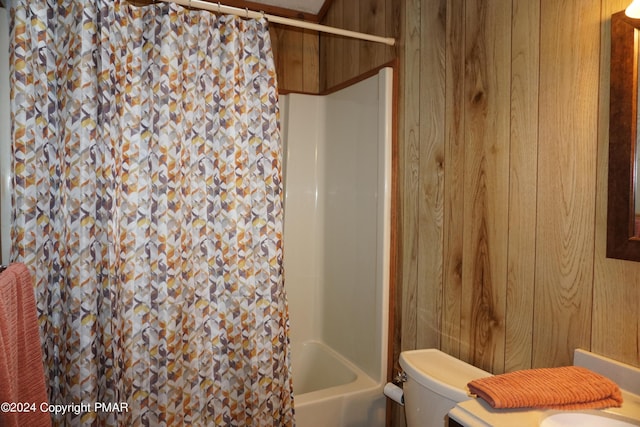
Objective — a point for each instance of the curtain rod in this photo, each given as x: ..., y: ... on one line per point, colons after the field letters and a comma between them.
x: 217, y: 7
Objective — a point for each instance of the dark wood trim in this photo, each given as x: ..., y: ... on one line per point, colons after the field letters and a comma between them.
x: 324, y: 9
x: 395, y: 303
x: 392, y: 64
x: 622, y: 242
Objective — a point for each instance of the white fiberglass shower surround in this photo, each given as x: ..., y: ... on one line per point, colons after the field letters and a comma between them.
x: 336, y: 250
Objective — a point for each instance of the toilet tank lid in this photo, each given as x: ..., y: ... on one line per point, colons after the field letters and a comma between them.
x: 434, y: 369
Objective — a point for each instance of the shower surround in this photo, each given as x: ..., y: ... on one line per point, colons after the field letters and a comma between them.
x: 336, y: 250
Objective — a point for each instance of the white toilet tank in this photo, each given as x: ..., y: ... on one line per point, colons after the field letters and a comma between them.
x: 436, y: 382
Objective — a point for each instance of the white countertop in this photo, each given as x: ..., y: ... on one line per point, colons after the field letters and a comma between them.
x: 478, y: 413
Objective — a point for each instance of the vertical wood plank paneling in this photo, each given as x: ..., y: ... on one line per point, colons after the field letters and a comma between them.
x: 566, y: 184
x: 403, y: 316
x: 616, y: 296
x: 278, y: 51
x: 310, y: 59
x: 393, y: 10
x: 522, y: 216
x: 525, y: 37
x: 296, y: 55
x: 332, y: 49
x: 372, y: 21
x: 344, y: 58
x: 410, y: 167
x: 486, y: 182
x: 431, y: 201
x: 453, y: 178
x: 292, y: 39
x: 351, y: 21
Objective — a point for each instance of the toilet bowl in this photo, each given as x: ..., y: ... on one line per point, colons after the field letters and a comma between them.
x: 435, y: 383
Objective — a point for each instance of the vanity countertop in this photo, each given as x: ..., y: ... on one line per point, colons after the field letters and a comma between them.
x: 477, y: 413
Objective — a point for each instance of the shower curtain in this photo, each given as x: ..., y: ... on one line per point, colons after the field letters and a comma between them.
x: 147, y: 202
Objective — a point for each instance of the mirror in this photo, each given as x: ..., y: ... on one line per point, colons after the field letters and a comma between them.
x: 623, y: 235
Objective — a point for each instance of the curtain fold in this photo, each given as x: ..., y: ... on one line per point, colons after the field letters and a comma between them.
x: 148, y: 205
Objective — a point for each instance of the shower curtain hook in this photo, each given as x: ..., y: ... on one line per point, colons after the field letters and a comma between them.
x: 218, y: 7
x: 246, y: 9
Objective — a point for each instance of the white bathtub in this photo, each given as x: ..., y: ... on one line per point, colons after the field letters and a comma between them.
x: 331, y: 391
x: 336, y: 251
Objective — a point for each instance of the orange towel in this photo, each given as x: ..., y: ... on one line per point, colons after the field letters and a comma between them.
x: 21, y: 367
x: 570, y: 387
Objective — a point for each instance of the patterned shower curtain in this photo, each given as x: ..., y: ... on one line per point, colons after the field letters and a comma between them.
x: 148, y: 205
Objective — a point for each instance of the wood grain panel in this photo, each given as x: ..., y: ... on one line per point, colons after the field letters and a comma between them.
x: 403, y: 316
x: 351, y: 53
x: 332, y: 50
x: 410, y: 169
x: 296, y: 55
x: 372, y: 21
x: 486, y: 183
x: 521, y: 216
x: 393, y: 10
x: 310, y: 60
x: 291, y: 65
x: 525, y: 36
x: 453, y: 178
x: 616, y: 295
x: 566, y: 182
x: 432, y: 165
x: 345, y: 58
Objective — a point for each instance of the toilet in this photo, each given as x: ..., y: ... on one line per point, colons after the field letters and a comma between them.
x: 435, y: 383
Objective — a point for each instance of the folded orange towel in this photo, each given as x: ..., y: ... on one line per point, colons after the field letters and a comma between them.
x: 22, y: 381
x: 569, y: 387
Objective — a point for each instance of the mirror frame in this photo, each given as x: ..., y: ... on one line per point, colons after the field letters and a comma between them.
x: 622, y: 238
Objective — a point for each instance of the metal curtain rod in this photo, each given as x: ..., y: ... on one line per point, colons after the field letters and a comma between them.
x: 217, y: 7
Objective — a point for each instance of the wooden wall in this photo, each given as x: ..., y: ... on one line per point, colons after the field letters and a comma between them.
x: 296, y: 54
x: 503, y: 138
x: 312, y: 63
x: 341, y: 58
x: 504, y: 128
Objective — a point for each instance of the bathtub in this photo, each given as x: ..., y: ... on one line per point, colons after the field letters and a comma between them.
x: 331, y: 391
x: 336, y: 251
